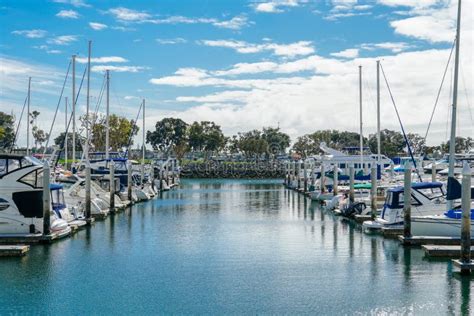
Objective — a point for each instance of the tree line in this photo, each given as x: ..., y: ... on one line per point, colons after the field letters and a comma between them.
x: 173, y: 135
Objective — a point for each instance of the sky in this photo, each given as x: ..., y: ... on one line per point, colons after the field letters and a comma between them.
x: 243, y: 64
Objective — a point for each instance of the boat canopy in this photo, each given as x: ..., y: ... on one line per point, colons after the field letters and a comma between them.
x: 55, y: 186
x: 418, y: 186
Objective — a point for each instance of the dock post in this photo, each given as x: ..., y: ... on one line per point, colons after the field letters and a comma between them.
x: 391, y: 170
x: 129, y: 181
x: 351, y: 184
x: 152, y: 176
x: 112, y: 186
x: 373, y: 191
x: 88, y: 191
x: 287, y: 174
x: 46, y: 200
x: 466, y: 220
x: 313, y: 175
x: 407, y: 200
x: 322, y: 179
x: 298, y: 174
x: 335, y: 180
x: 433, y: 172
x: 305, y: 177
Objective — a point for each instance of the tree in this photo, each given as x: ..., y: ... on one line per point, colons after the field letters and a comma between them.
x: 461, y: 145
x: 7, y: 130
x: 277, y: 141
x: 391, y: 143
x: 417, y: 143
x: 252, y: 144
x: 169, y: 133
x: 121, y: 132
x: 305, y: 146
x: 39, y: 135
x: 206, y: 136
x: 58, y: 141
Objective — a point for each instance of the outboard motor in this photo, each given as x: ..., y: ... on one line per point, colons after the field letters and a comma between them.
x: 353, y: 209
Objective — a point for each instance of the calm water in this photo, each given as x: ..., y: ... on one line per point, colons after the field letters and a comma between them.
x: 229, y: 247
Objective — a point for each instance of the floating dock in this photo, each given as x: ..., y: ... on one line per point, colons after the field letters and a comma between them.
x: 431, y: 240
x: 13, y: 250
x: 444, y: 251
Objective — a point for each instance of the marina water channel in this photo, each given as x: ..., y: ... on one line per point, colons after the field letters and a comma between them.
x: 229, y: 246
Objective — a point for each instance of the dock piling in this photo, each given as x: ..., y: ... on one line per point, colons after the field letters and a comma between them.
x: 322, y: 178
x: 351, y: 184
x: 335, y: 180
x: 373, y: 191
x: 46, y: 200
x: 391, y: 170
x: 433, y: 172
x: 88, y: 191
x: 129, y: 181
x: 465, y: 262
x: 305, y: 177
x: 407, y: 201
x: 112, y: 186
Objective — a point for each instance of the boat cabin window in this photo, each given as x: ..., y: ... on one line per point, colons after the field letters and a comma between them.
x: 33, y: 179
x: 401, y: 200
x: 432, y: 193
x: 57, y: 199
x: 8, y: 165
x: 396, y: 200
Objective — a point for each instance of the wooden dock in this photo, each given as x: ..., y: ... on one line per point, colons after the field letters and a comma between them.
x: 362, y: 218
x: 13, y: 250
x: 443, y: 251
x: 431, y: 240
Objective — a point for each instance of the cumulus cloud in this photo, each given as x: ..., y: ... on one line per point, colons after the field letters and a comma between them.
x: 97, y: 26
x: 74, y: 3
x: 347, y: 53
x: 37, y: 33
x: 300, y: 48
x: 68, y: 14
x: 275, y: 6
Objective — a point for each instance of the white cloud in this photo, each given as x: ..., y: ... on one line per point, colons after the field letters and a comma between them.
x: 103, y: 60
x: 347, y: 53
x: 395, y: 47
x: 236, y: 23
x: 409, y: 3
x: 125, y: 15
x: 75, y: 3
x: 68, y: 14
x: 248, y: 68
x: 300, y: 48
x: 171, y: 41
x: 47, y: 49
x: 276, y: 6
x: 128, y: 15
x: 112, y: 68
x: 97, y: 26
x: 426, y: 27
x: 62, y: 40
x: 31, y: 33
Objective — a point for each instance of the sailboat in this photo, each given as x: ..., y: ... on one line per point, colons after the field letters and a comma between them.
x: 449, y: 222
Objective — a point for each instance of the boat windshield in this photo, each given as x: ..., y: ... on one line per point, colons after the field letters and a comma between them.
x: 10, y: 164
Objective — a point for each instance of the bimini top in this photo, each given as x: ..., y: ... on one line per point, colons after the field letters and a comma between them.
x: 418, y: 185
x: 55, y: 186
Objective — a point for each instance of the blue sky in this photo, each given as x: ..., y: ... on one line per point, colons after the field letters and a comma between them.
x: 243, y: 64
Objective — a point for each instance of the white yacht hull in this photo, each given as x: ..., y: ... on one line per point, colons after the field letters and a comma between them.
x: 437, y: 225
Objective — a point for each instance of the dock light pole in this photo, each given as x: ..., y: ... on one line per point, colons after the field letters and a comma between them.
x: 407, y: 200
x: 373, y: 191
x: 46, y: 200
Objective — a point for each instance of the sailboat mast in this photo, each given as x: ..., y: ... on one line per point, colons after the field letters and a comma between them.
x: 360, y: 112
x: 452, y: 140
x: 86, y: 147
x: 143, y: 134
x: 65, y: 138
x: 28, y: 119
x: 107, y: 135
x: 379, y: 156
x: 73, y: 110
